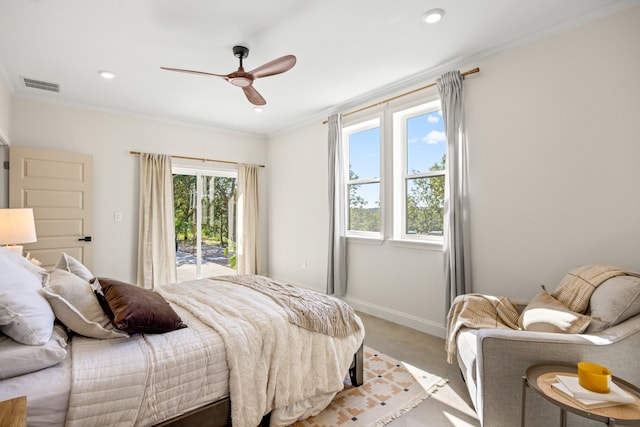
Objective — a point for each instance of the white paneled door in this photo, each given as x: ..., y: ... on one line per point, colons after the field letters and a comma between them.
x: 59, y: 187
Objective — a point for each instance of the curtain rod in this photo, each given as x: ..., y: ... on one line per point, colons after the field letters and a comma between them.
x: 200, y: 159
x: 411, y: 92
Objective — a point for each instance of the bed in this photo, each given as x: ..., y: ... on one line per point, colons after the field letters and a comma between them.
x: 215, y: 351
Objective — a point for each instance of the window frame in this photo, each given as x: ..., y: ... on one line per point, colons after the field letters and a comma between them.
x: 393, y: 173
x: 199, y: 173
x: 363, y: 124
x: 401, y: 176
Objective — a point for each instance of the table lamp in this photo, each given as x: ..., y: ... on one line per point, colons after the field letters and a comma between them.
x: 16, y: 227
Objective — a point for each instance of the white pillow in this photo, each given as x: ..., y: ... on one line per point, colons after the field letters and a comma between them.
x: 72, y: 265
x: 18, y: 359
x: 25, y: 315
x: 23, y: 262
x: 75, y: 305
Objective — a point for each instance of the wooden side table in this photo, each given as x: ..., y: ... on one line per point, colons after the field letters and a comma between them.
x: 539, y: 378
x: 13, y: 412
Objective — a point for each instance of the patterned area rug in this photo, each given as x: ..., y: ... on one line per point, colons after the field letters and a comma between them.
x: 390, y: 389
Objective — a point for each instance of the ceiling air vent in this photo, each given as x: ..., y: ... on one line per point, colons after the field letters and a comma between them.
x: 39, y: 84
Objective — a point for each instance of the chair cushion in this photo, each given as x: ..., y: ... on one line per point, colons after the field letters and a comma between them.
x: 613, y: 302
x: 546, y: 314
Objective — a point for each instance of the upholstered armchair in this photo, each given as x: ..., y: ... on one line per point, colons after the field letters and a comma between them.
x: 493, y: 361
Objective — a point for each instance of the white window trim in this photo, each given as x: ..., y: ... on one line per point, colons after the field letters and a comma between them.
x: 362, y: 125
x: 400, y: 175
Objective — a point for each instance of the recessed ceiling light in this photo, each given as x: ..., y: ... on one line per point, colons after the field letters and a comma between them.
x: 106, y: 74
x: 432, y: 16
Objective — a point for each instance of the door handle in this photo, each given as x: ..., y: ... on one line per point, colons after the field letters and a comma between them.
x: 85, y: 239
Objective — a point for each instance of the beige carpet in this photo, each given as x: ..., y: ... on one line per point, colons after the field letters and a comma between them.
x: 390, y: 389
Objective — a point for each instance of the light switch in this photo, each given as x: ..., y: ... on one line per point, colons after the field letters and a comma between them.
x: 117, y: 217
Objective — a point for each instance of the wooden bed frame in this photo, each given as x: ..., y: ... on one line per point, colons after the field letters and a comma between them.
x: 218, y: 414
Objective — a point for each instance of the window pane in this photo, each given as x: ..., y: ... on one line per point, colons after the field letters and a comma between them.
x: 425, y: 206
x: 364, y: 154
x: 426, y: 143
x: 214, y: 253
x: 364, y: 207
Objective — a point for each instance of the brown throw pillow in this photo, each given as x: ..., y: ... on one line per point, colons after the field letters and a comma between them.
x: 136, y: 310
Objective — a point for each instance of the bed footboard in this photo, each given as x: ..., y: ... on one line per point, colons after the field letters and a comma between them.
x: 356, y: 369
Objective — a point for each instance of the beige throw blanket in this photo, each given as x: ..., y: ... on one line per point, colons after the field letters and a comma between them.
x: 576, y: 287
x: 273, y: 364
x: 478, y: 311
x: 305, y: 308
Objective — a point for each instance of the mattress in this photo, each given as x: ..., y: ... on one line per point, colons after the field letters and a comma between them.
x: 47, y: 393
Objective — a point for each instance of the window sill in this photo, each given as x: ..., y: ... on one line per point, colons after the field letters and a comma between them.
x: 417, y: 244
x: 400, y: 243
x: 361, y: 240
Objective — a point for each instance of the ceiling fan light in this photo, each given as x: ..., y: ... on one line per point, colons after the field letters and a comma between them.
x: 432, y: 16
x: 240, y: 81
x: 258, y: 109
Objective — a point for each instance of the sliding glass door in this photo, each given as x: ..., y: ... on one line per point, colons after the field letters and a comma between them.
x: 205, y: 222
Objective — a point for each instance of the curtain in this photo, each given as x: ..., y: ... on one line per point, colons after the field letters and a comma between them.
x: 337, y: 268
x: 156, y: 241
x: 456, y: 205
x: 248, y: 250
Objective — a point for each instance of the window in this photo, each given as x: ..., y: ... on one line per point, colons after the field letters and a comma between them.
x: 420, y: 147
x: 204, y: 216
x: 363, y: 183
x: 411, y: 176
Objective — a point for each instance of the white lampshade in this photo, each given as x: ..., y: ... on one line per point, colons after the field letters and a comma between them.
x: 17, y: 226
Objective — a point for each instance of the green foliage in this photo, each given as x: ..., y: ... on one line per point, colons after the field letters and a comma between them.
x: 425, y: 203
x: 231, y: 249
x: 361, y: 216
x: 218, y: 204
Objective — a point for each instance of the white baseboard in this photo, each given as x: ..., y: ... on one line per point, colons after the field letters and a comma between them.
x: 404, y: 319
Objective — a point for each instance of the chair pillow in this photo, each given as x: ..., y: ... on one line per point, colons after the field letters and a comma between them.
x: 614, y: 301
x: 546, y: 314
x: 18, y: 359
x: 75, y: 305
x: 25, y: 315
x: 137, y: 310
x: 72, y: 265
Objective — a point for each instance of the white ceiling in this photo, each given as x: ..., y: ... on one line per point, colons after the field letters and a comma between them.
x: 347, y: 50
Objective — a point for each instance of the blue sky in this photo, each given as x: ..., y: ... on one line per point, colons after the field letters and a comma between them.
x: 426, y: 145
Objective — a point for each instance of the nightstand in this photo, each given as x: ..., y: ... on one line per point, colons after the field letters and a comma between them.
x: 13, y: 412
x: 537, y: 378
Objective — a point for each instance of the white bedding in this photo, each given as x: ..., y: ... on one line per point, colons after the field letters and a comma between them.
x: 146, y: 379
x: 47, y: 393
x: 274, y: 364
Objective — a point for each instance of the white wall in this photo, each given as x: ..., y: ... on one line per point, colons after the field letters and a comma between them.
x: 5, y: 120
x: 109, y: 138
x: 5, y: 109
x: 554, y: 146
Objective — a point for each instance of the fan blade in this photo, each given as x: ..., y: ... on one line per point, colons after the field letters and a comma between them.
x: 180, y: 70
x: 277, y: 66
x: 253, y: 96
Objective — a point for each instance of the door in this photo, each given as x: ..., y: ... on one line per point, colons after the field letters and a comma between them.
x: 204, y: 215
x: 59, y: 187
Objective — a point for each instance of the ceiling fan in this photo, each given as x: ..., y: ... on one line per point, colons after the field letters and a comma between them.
x: 245, y: 79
